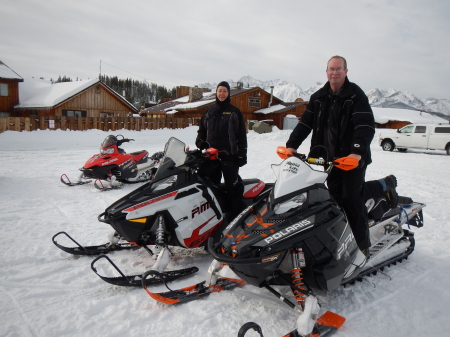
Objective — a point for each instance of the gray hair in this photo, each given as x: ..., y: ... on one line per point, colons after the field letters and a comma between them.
x: 338, y: 57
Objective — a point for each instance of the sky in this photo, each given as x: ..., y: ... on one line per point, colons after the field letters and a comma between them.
x: 400, y: 44
x: 47, y: 292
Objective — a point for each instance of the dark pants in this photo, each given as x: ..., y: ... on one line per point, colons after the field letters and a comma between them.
x: 347, y: 188
x: 234, y: 186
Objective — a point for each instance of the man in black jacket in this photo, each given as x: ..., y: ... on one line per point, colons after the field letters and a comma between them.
x: 342, y: 124
x: 223, y: 127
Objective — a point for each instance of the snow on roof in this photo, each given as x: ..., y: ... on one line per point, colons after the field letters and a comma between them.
x: 192, y: 105
x: 384, y: 115
x: 271, y: 109
x: 7, y: 73
x: 41, y: 93
x: 171, y: 112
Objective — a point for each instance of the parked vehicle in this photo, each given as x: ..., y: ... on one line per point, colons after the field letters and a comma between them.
x: 113, y: 167
x: 417, y: 136
x: 178, y: 207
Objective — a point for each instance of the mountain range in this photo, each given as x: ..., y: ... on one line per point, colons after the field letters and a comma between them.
x: 390, y: 98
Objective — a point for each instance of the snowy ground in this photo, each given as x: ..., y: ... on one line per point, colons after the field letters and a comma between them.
x: 46, y: 292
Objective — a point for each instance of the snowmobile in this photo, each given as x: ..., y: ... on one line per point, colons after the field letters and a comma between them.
x: 299, y: 237
x: 113, y: 166
x: 178, y: 207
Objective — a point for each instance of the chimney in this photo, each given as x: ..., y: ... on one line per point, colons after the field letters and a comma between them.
x: 195, y: 93
x: 271, y: 95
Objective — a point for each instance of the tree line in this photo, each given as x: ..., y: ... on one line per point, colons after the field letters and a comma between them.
x: 136, y: 92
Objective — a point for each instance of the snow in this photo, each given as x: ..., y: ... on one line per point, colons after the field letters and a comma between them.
x: 41, y: 93
x: 384, y: 115
x: 46, y: 292
x: 273, y: 108
x: 191, y: 105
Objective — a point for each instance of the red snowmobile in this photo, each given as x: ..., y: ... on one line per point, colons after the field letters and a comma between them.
x: 113, y: 166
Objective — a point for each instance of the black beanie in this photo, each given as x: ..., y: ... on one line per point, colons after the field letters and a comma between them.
x: 227, y: 100
x: 224, y: 84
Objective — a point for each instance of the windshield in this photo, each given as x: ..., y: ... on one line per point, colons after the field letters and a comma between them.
x: 109, y: 141
x: 174, y: 156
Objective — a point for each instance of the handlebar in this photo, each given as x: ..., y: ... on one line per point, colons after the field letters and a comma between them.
x: 344, y: 163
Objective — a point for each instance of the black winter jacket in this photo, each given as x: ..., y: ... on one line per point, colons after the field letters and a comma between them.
x: 341, y: 122
x: 223, y: 127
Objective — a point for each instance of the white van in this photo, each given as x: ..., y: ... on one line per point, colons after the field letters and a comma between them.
x: 417, y: 136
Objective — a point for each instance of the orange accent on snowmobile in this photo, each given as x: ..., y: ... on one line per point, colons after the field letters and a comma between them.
x: 190, y: 289
x: 283, y: 152
x: 331, y: 319
x: 346, y: 163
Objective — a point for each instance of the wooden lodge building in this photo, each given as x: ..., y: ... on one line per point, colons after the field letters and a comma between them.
x: 89, y: 98
x: 255, y: 103
x: 9, y: 90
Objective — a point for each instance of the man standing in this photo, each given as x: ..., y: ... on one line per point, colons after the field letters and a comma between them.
x: 223, y: 127
x: 342, y: 124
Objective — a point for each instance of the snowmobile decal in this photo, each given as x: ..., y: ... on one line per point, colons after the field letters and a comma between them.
x: 344, y: 245
x: 198, y: 210
x: 197, y: 239
x: 109, y: 161
x: 289, y: 230
x: 254, y: 191
x: 151, y: 201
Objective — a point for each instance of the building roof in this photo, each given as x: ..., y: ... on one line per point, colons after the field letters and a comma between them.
x: 384, y: 115
x: 183, y: 103
x: 45, y: 94
x: 279, y: 108
x: 9, y: 74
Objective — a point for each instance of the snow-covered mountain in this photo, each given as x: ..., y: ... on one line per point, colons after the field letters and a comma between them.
x: 390, y: 98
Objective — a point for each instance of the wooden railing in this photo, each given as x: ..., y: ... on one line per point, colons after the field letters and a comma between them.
x: 85, y: 123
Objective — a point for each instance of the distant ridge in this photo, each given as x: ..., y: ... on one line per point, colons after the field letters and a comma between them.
x: 390, y: 98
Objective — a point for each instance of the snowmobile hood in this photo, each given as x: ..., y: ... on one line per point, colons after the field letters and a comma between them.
x: 292, y: 174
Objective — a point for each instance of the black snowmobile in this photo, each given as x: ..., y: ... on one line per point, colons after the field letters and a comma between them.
x: 299, y: 237
x: 178, y: 207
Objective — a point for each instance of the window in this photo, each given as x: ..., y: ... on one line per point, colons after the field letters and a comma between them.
x: 254, y: 102
x: 106, y: 114
x: 4, y: 89
x: 442, y: 129
x: 420, y: 129
x: 407, y: 129
x: 74, y: 113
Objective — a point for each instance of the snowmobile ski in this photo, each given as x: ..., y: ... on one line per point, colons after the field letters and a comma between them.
x: 91, y: 250
x: 325, y: 325
x: 190, y: 293
x: 66, y: 181
x: 139, y: 280
x: 98, y: 184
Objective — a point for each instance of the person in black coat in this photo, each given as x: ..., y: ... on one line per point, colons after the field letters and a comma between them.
x: 223, y: 127
x: 342, y: 124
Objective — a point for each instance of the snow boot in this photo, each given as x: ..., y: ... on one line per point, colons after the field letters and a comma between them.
x: 390, y: 192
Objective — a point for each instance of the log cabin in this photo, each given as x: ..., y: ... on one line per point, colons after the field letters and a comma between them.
x: 9, y: 90
x: 88, y: 98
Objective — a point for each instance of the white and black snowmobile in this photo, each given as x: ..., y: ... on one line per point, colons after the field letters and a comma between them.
x: 299, y: 237
x: 178, y: 207
x: 113, y: 167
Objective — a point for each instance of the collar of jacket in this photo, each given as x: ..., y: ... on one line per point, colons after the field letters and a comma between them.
x: 346, y: 91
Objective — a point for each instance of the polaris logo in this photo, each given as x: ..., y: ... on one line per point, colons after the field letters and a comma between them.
x: 109, y: 162
x: 287, y: 231
x: 198, y: 210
